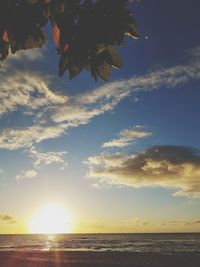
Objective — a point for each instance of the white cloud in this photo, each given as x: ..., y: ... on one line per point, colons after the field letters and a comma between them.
x: 40, y: 159
x: 26, y: 90
x: 23, y: 56
x: 80, y: 109
x: 166, y: 166
x: 107, y: 160
x: 24, y: 137
x: 127, y: 137
x: 28, y: 174
x: 56, y: 113
x: 23, y: 87
x: 47, y: 158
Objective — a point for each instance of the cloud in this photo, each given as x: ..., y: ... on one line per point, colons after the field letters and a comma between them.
x: 23, y: 87
x: 138, y: 222
x: 23, y: 57
x: 82, y: 108
x: 28, y: 174
x: 107, y: 160
x: 47, y: 158
x: 14, y: 138
x: 40, y: 159
x: 178, y: 222
x: 10, y: 219
x: 26, y: 90
x: 175, y: 222
x: 177, y: 167
x: 127, y: 137
x: 55, y: 113
x: 194, y: 222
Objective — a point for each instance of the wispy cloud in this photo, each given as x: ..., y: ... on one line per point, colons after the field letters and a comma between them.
x: 105, y: 98
x: 175, y: 222
x: 179, y: 222
x: 22, y: 87
x: 26, y: 90
x: 197, y: 222
x: 42, y: 159
x: 14, y: 138
x: 127, y: 137
x: 47, y: 158
x: 138, y: 222
x: 177, y: 167
x: 56, y: 113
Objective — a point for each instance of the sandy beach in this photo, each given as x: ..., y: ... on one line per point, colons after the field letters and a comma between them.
x: 98, y: 259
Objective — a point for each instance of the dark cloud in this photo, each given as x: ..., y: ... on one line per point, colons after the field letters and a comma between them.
x: 167, y: 166
x: 194, y: 222
x: 7, y: 218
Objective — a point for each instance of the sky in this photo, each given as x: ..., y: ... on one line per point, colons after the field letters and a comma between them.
x: 119, y: 156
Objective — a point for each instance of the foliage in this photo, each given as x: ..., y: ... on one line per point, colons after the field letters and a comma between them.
x: 86, y: 33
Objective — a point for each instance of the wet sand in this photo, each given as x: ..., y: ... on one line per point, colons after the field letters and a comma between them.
x: 97, y: 259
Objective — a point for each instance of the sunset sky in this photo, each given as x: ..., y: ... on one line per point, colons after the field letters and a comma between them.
x: 121, y: 156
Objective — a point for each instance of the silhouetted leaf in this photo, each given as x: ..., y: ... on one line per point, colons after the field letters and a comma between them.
x: 5, y: 36
x: 116, y: 58
x: 103, y: 71
x: 4, y: 48
x: 63, y: 64
x: 100, y: 48
x: 74, y: 70
x: 56, y: 35
x: 130, y: 27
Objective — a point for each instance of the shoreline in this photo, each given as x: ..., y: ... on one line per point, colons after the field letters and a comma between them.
x: 96, y: 259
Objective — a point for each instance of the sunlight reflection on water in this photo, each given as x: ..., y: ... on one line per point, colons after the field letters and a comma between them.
x: 50, y: 243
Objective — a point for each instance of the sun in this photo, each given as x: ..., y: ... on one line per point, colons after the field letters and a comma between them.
x: 51, y: 219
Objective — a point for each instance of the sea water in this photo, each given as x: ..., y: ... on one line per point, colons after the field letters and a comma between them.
x: 159, y: 243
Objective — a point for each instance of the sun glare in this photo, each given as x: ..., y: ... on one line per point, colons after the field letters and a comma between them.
x: 51, y: 219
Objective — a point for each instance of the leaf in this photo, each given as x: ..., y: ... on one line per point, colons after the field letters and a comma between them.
x: 56, y: 35
x: 5, y: 36
x: 93, y: 70
x: 100, y: 48
x: 74, y: 70
x: 116, y: 58
x: 130, y: 30
x: 4, y: 49
x: 34, y: 40
x: 65, y: 47
x: 27, y: 39
x: 103, y: 71
x: 63, y: 64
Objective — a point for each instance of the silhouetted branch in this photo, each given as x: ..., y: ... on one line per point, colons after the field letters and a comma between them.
x: 86, y: 33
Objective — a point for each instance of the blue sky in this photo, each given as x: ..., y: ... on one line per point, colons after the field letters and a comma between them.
x: 121, y: 155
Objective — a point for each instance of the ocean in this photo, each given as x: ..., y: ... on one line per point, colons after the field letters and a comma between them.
x: 156, y: 243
